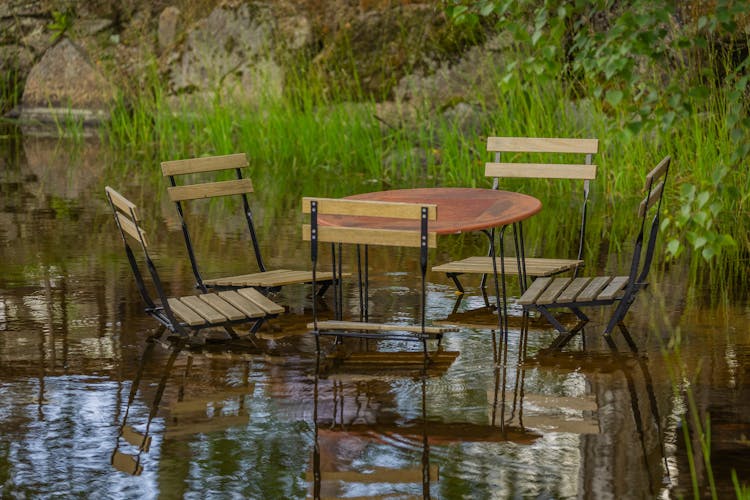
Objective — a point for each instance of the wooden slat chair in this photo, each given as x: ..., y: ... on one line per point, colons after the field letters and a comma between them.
x: 365, y: 231
x: 586, y: 172
x: 264, y: 279
x: 546, y: 294
x: 188, y: 315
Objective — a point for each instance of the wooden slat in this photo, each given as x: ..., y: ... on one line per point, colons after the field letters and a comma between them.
x: 553, y: 290
x: 221, y: 305
x: 185, y: 313
x: 594, y: 287
x: 122, y: 203
x: 379, y: 327
x: 378, y: 475
x: 199, y: 403
x: 649, y: 202
x: 126, y: 463
x: 210, y: 189
x: 367, y: 208
x: 261, y: 300
x: 135, y: 438
x: 540, y: 170
x: 534, y: 290
x: 573, y: 289
x: 535, y: 266
x: 131, y: 229
x: 209, y: 313
x: 658, y: 170
x: 542, y: 145
x: 206, y: 164
x: 613, y: 287
x: 189, y: 427
x: 367, y: 236
x: 248, y: 307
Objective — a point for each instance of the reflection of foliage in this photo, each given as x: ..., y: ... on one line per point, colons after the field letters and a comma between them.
x: 62, y: 21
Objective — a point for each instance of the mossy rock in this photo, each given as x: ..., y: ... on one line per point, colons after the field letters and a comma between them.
x: 372, y: 52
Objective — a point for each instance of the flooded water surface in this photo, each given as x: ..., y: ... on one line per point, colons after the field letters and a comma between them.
x: 89, y: 407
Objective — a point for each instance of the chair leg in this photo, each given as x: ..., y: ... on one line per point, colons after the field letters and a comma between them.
x: 457, y: 282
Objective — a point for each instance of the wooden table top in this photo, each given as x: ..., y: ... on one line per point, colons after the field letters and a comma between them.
x: 458, y: 209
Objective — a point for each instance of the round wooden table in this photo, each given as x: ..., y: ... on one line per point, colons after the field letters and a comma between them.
x: 458, y: 209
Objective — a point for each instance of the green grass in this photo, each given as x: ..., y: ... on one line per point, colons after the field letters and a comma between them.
x: 310, y: 142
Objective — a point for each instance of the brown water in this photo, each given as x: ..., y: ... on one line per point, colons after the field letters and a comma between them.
x: 256, y: 422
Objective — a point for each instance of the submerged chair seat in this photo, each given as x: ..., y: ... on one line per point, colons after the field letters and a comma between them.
x: 188, y: 314
x: 535, y: 266
x: 267, y: 279
x: 211, y: 309
x: 546, y: 294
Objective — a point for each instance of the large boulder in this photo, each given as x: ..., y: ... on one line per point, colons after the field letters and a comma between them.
x: 228, y: 53
x: 64, y: 83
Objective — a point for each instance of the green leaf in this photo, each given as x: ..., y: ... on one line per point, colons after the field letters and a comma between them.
x: 703, y: 198
x: 708, y: 253
x: 614, y: 97
x: 487, y: 9
x: 699, y: 241
x: 673, y: 247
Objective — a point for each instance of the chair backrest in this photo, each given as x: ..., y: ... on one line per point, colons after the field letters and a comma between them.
x: 578, y: 171
x: 651, y: 203
x: 362, y: 222
x: 190, y: 189
x: 126, y: 217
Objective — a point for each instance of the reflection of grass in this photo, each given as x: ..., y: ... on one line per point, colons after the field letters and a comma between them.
x: 309, y: 142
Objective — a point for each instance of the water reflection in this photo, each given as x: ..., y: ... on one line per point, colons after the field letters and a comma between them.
x: 73, y: 337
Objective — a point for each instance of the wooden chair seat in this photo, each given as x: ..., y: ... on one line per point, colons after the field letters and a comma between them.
x: 432, y: 331
x: 268, y: 279
x: 535, y: 266
x: 568, y: 291
x: 223, y: 307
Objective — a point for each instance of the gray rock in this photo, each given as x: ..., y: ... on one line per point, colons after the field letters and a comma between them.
x: 88, y: 27
x: 229, y: 53
x: 15, y: 56
x: 18, y: 8
x: 65, y: 79
x: 295, y: 32
x: 169, y: 23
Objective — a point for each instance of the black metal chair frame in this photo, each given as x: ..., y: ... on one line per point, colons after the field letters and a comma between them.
x: 639, y: 268
x: 248, y: 215
x: 420, y: 334
x: 518, y: 237
x: 160, y: 311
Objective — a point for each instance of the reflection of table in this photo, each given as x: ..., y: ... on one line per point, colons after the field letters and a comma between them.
x: 458, y: 210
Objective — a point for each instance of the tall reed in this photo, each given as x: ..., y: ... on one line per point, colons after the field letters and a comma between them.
x: 310, y: 141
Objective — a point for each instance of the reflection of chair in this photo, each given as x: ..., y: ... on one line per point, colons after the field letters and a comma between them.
x: 141, y: 440
x: 351, y: 454
x: 193, y: 408
x: 546, y: 294
x: 358, y: 222
x: 187, y: 315
x: 535, y: 266
x: 264, y: 279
